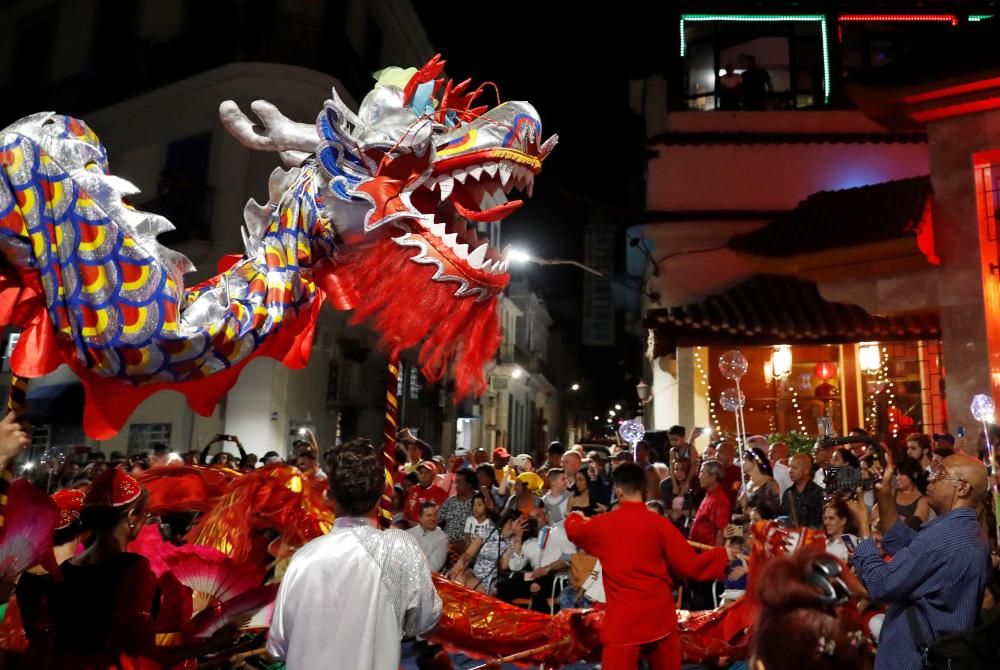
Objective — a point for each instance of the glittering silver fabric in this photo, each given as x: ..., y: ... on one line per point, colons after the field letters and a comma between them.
x: 406, y: 577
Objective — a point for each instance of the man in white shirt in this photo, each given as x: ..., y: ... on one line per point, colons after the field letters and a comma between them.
x: 432, y: 540
x: 349, y: 596
x: 777, y: 453
x: 547, y: 555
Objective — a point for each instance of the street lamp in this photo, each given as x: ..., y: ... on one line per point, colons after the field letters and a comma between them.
x: 644, y: 392
x: 611, y: 412
x: 618, y: 407
x: 521, y: 256
x: 597, y: 418
x: 869, y: 357
x: 781, y: 361
x: 516, y: 373
x: 574, y: 387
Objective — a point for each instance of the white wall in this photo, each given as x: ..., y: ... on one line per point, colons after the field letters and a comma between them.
x: 664, y: 388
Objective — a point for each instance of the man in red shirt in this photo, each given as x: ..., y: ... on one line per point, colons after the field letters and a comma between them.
x: 426, y: 490
x: 636, y: 548
x: 708, y: 527
x: 715, y: 510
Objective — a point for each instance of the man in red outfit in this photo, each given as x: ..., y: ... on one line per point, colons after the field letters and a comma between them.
x: 636, y: 548
x: 426, y: 491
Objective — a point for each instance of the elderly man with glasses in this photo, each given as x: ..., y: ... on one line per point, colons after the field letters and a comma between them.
x: 934, y: 583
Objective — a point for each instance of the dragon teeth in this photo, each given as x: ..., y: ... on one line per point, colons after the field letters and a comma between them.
x: 506, y: 170
x: 447, y: 184
x: 460, y: 175
x: 438, y: 229
x: 461, y: 250
x: 491, y: 169
x: 478, y: 256
x: 486, y: 202
x: 450, y: 239
x: 476, y: 172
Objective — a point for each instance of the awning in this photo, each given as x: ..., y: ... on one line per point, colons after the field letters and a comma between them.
x: 845, y: 218
x: 768, y: 310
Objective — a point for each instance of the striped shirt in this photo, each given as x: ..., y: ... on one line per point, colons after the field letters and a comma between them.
x: 940, y: 570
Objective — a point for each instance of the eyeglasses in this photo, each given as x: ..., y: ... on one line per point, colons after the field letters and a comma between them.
x: 939, y: 475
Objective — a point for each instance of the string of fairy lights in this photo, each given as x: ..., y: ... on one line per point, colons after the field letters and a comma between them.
x: 798, y: 411
x: 882, y: 387
x: 703, y: 375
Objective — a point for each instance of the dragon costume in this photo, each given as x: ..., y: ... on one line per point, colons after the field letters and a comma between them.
x: 376, y: 211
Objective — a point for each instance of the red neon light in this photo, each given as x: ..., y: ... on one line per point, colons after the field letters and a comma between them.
x: 857, y: 18
x: 957, y: 110
x: 971, y: 87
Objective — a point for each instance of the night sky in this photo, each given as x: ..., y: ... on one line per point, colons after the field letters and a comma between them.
x: 574, y: 65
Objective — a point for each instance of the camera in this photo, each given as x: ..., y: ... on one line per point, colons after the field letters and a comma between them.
x: 846, y: 479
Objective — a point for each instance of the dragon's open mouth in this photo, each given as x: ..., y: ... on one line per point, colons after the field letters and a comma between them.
x: 460, y: 198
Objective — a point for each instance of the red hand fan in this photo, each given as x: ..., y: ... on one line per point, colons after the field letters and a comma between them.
x: 214, y: 577
x: 26, y: 538
x: 244, y: 607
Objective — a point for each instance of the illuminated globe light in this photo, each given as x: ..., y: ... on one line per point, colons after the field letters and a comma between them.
x: 731, y: 399
x: 825, y: 370
x: 983, y: 408
x: 631, y: 431
x: 733, y: 364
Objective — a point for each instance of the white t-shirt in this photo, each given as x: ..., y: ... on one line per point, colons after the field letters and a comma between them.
x: 783, y: 477
x: 350, y: 596
x: 842, y: 546
x: 476, y: 529
x: 551, y: 545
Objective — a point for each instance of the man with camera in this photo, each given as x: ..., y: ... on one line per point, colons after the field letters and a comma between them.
x: 935, y: 580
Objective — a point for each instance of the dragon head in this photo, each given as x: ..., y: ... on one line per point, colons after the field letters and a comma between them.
x: 432, y: 169
x: 411, y: 181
